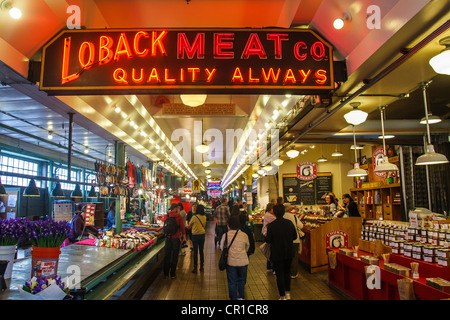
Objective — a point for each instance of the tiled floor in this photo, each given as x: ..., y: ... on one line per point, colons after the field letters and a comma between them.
x: 211, y: 284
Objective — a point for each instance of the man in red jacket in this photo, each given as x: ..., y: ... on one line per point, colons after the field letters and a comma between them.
x: 173, y: 242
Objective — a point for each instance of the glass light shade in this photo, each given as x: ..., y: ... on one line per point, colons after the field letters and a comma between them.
x: 15, y: 13
x: 203, y: 148
x: 322, y: 159
x: 338, y: 24
x: 208, y: 171
x: 58, y: 191
x: 206, y: 163
x: 255, y: 175
x: 193, y: 100
x: 336, y: 154
x: 267, y: 168
x: 353, y: 147
x: 278, y: 162
x: 431, y: 119
x: 261, y: 171
x: 356, y: 117
x: 356, y: 171
x: 441, y: 62
x: 292, y: 153
x: 31, y: 190
x: 385, y: 166
x: 387, y: 136
x: 430, y: 157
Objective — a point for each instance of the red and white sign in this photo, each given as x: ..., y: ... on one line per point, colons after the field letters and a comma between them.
x: 307, y: 170
x: 90, y: 214
x: 377, y: 157
x: 336, y: 239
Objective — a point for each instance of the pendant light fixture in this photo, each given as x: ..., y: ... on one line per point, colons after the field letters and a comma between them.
x: 337, y: 153
x: 92, y: 193
x: 322, y: 158
x: 57, y: 191
x: 430, y: 157
x: 384, y: 165
x: 31, y: 190
x: 292, y: 153
x: 267, y: 167
x: 193, y: 100
x: 356, y: 116
x: 441, y: 62
x: 432, y: 119
x: 202, y: 148
x: 14, y: 12
x: 356, y: 171
x: 278, y: 162
x: 76, y: 193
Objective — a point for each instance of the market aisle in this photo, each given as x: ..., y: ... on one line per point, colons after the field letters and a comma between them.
x: 211, y: 284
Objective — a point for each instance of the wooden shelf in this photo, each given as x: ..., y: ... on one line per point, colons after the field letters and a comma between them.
x: 377, y: 202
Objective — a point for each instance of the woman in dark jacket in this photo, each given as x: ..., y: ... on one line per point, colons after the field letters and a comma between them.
x: 350, y: 206
x: 280, y: 234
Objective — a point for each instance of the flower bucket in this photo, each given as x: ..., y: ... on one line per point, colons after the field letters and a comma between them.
x: 44, y: 262
x: 7, y: 253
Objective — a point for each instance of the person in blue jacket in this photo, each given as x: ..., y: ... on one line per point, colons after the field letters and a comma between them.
x: 111, y: 218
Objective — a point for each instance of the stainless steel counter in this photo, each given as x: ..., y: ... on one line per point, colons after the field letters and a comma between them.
x: 89, y: 259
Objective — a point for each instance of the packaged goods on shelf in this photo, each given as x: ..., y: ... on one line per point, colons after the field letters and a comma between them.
x: 398, y: 269
x: 439, y: 283
x: 370, y: 260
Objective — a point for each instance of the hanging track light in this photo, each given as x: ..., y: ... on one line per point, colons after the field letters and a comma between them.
x: 356, y: 171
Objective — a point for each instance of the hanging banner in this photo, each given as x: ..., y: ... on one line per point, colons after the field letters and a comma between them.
x: 152, y: 61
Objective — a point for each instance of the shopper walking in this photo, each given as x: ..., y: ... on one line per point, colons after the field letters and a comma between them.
x: 268, y: 218
x: 222, y: 213
x: 183, y: 215
x: 291, y: 215
x: 197, y: 225
x: 189, y: 215
x: 175, y: 232
x: 237, y: 258
x: 280, y: 235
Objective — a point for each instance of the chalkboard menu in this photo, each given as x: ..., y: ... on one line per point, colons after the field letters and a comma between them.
x: 312, y: 192
x: 323, y: 186
x: 291, y: 188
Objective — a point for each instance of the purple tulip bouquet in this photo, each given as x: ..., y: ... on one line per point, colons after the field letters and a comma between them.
x: 48, y: 233
x: 11, y: 230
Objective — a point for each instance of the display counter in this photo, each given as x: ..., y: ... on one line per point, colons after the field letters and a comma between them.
x: 103, y: 271
x: 339, y: 232
x: 349, y: 277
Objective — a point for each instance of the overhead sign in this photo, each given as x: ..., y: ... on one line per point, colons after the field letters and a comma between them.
x: 307, y: 170
x: 187, y: 61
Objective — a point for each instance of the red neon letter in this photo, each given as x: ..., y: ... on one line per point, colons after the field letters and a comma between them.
x: 105, y: 53
x: 141, y: 76
x: 198, y: 45
x: 157, y: 42
x: 270, y: 74
x: 82, y: 52
x: 210, y: 74
x: 318, y: 46
x: 166, y: 76
x: 181, y: 75
x: 219, y: 46
x: 297, y: 47
x: 194, y: 71
x: 253, y: 46
x: 277, y: 38
x: 250, y: 77
x: 321, y: 76
x: 289, y: 76
x: 153, y: 76
x: 137, y: 37
x: 304, y: 75
x: 237, y: 76
x: 65, y: 77
x: 121, y: 78
x: 123, y: 47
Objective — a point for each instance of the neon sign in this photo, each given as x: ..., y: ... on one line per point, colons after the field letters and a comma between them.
x: 187, y: 61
